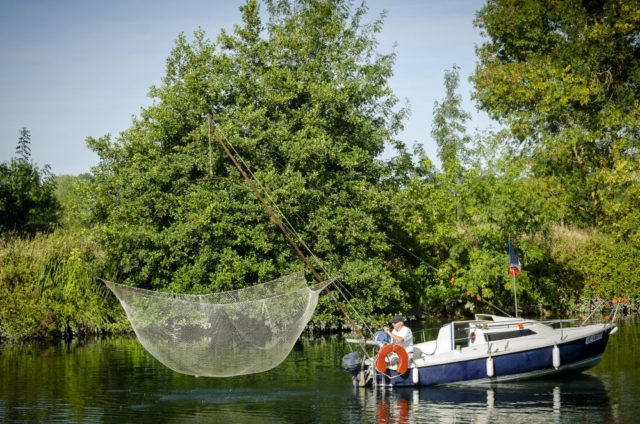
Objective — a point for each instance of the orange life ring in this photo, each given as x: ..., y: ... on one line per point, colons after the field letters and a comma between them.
x: 473, y: 337
x: 403, y: 358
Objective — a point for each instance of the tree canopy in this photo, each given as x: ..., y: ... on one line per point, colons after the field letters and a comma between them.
x: 564, y: 77
x: 27, y: 201
x: 303, y: 99
x: 305, y: 103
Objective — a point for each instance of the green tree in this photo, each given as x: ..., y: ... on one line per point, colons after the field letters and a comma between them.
x: 505, y: 200
x: 449, y: 129
x: 458, y: 220
x: 70, y: 192
x: 305, y: 104
x: 27, y: 201
x: 427, y: 210
x: 23, y: 150
x: 563, y: 77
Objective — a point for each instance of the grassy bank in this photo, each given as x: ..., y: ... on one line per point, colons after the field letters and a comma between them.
x: 48, y: 288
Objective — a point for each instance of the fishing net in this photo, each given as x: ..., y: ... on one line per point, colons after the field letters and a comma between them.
x: 223, y: 334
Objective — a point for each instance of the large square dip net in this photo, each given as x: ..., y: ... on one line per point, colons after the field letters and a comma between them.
x: 225, y: 334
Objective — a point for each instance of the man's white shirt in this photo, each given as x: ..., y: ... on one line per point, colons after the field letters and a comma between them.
x: 406, y: 334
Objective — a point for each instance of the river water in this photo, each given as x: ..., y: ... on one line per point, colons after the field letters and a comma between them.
x: 114, y: 380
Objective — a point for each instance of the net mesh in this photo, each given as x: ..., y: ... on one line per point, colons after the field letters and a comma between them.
x: 223, y: 334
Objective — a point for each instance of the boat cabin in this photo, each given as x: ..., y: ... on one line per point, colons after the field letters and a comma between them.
x: 455, y: 336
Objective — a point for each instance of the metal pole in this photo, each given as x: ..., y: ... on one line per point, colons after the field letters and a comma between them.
x: 515, y: 294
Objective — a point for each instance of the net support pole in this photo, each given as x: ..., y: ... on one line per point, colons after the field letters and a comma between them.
x: 280, y: 225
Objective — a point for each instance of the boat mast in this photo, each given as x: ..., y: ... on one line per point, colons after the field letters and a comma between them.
x: 279, y: 222
x: 515, y: 294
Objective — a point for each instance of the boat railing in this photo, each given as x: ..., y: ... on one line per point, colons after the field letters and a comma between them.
x: 561, y: 322
x: 430, y: 334
x: 421, y: 336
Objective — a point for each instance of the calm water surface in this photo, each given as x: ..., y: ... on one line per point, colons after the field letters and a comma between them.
x: 116, y: 381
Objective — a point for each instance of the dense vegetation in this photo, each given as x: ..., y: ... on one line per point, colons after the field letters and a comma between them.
x: 304, y: 101
x: 27, y: 201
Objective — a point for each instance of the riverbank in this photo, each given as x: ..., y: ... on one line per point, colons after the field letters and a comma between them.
x: 50, y: 287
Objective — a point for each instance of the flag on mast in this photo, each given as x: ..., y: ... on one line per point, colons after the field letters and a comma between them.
x: 514, y: 262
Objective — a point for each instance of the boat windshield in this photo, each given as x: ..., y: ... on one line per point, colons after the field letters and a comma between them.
x: 504, y: 335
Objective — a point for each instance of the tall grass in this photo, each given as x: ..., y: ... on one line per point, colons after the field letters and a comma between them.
x: 48, y: 287
x: 597, y: 266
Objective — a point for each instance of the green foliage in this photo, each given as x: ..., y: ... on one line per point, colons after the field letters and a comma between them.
x: 22, y: 149
x: 458, y: 220
x: 600, y: 264
x: 448, y: 128
x: 304, y: 102
x: 562, y: 76
x: 70, y: 192
x: 48, y: 286
x: 27, y: 201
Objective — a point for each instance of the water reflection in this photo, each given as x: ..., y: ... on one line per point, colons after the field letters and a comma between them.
x: 116, y: 380
x: 579, y: 398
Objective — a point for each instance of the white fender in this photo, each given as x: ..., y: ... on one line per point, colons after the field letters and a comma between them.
x: 556, y: 356
x: 490, y: 370
x: 415, y: 374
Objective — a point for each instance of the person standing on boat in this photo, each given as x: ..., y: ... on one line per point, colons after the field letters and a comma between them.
x: 401, y: 334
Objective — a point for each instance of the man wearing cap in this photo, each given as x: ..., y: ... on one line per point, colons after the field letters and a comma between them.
x: 400, y: 334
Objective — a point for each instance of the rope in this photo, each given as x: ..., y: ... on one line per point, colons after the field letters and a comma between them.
x: 338, y: 283
x: 279, y: 223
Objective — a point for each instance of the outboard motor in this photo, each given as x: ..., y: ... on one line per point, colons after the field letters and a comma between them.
x: 352, y: 363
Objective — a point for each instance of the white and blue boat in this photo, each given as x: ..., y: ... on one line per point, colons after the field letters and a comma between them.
x: 488, y: 349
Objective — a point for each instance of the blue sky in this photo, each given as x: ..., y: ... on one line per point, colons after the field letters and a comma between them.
x: 71, y: 69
